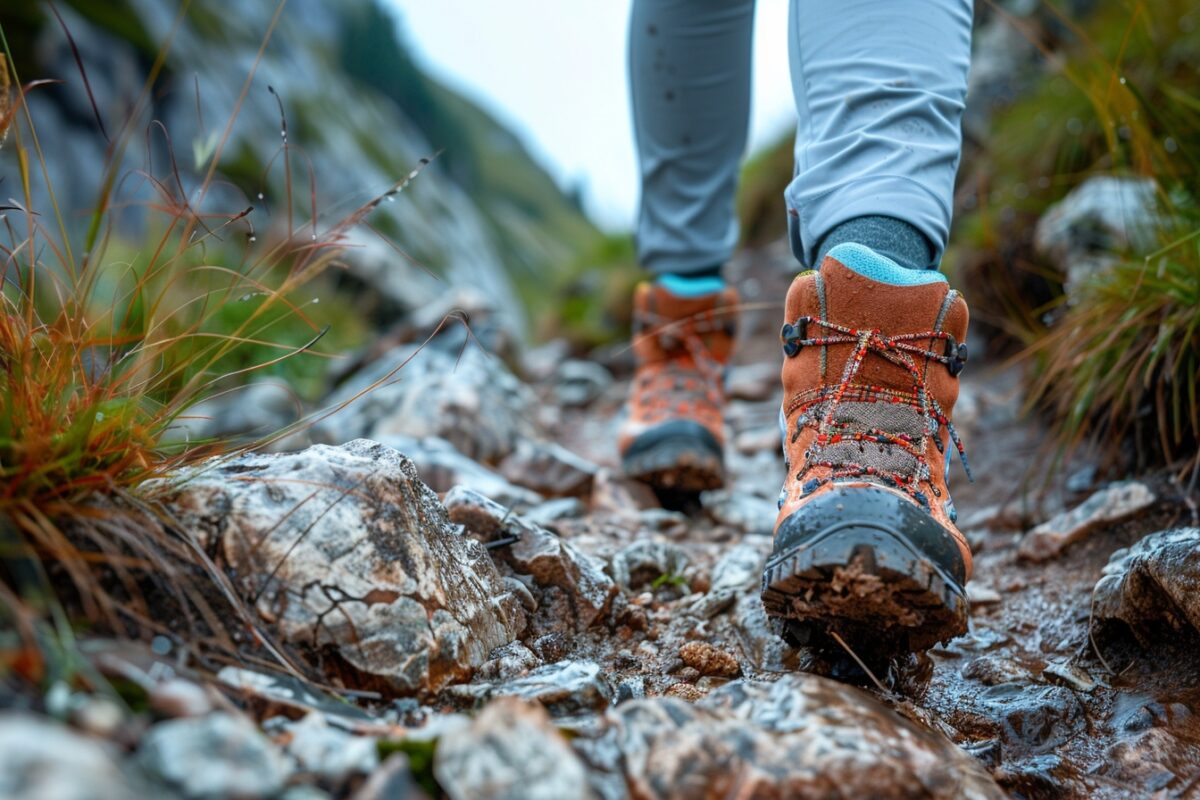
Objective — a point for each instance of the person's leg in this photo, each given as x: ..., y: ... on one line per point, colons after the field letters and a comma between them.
x: 689, y: 70
x: 866, y: 547
x: 689, y: 67
x: 880, y: 87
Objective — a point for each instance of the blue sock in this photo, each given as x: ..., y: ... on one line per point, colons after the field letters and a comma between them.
x: 692, y: 284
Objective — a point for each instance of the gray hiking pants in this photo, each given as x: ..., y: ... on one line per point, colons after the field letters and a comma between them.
x: 879, y: 87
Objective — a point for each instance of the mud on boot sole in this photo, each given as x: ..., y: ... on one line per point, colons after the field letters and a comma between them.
x: 864, y: 579
x: 680, y: 456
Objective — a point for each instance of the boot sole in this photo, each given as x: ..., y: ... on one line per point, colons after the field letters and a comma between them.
x: 864, y: 580
x: 679, y: 456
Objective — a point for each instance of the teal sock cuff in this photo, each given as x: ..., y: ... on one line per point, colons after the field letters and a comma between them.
x: 869, y: 264
x: 690, y: 285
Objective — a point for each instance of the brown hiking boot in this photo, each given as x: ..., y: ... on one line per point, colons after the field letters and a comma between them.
x: 865, y: 541
x: 673, y: 437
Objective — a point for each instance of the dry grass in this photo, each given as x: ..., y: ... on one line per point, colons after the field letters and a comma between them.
x: 101, y: 352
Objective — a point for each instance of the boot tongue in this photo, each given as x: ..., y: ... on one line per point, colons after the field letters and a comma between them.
x: 865, y: 291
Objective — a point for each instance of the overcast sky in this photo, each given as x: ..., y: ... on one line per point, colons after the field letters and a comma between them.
x: 554, y: 72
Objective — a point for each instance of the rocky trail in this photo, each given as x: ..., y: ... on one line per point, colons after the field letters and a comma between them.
x: 498, y: 614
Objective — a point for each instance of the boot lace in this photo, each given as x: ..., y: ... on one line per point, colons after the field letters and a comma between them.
x: 847, y: 425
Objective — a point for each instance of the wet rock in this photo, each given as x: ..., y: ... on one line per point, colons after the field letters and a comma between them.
x: 43, y: 760
x: 802, y: 736
x: 272, y: 694
x: 573, y: 590
x: 708, y: 659
x: 546, y: 514
x: 344, y: 548
x: 640, y: 564
x: 1102, y: 217
x: 738, y: 572
x: 180, y: 698
x: 746, y: 512
x: 757, y: 381
x: 508, y: 662
x: 510, y: 752
x: 577, y: 382
x: 1112, y: 504
x: 548, y: 469
x: 992, y: 669
x: 442, y: 467
x: 1153, y: 584
x: 618, y: 495
x: 466, y: 397
x: 759, y: 639
x: 216, y: 756
x: 328, y: 753
x: 1070, y: 674
x: 1034, y: 718
x: 564, y: 688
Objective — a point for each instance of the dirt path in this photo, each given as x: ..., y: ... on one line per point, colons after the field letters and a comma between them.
x: 1046, y: 710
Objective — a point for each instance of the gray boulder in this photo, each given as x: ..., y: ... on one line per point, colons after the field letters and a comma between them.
x: 799, y: 737
x: 1156, y: 581
x: 345, y: 548
x: 463, y: 395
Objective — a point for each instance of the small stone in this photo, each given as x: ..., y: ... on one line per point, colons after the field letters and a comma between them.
x: 330, y: 754
x: 685, y: 691
x: 752, y: 382
x: 738, y: 572
x: 216, y: 756
x: 992, y: 670
x: 1070, y: 674
x: 549, y: 469
x: 746, y: 512
x: 1152, y: 586
x: 572, y: 589
x: 708, y: 659
x: 577, y: 382
x: 508, y: 662
x: 98, y: 716
x: 552, y: 511
x: 511, y: 751
x: 180, y: 698
x: 758, y: 440
x: 564, y: 688
x: 982, y: 595
x: 618, y: 495
x: 1114, y: 503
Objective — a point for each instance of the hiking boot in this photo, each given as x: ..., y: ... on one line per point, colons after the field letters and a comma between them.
x: 865, y: 542
x: 672, y: 437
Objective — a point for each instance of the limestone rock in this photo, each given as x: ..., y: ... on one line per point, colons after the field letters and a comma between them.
x: 565, y: 688
x: 1112, y: 504
x: 43, y: 760
x: 1157, y: 580
x: 442, y: 467
x: 745, y: 512
x: 345, y: 548
x: 467, y: 397
x: 328, y: 753
x: 510, y: 752
x: 800, y: 737
x: 549, y: 469
x: 577, y: 382
x: 573, y: 590
x: 216, y: 756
